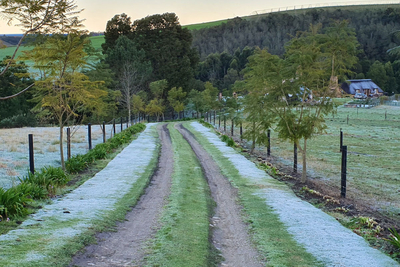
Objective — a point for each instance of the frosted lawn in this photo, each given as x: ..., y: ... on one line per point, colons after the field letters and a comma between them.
x: 14, y: 149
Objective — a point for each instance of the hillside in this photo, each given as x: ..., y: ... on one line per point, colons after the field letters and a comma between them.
x: 374, y: 26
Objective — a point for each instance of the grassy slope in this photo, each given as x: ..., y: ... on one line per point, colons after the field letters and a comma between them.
x: 183, y: 237
x: 60, y: 256
x: 268, y: 232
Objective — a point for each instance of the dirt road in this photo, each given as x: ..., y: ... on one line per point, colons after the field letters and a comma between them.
x: 126, y: 246
x: 230, y: 234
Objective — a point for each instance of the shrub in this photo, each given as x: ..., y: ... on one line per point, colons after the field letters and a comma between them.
x: 13, y: 202
x: 394, y: 238
x: 33, y: 191
x: 20, y: 120
x: 49, y: 178
x: 76, y: 164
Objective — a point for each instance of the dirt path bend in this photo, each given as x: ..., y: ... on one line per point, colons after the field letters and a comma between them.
x: 230, y: 233
x: 126, y: 246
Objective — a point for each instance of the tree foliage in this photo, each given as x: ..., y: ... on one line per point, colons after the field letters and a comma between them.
x: 64, y: 92
x: 50, y: 16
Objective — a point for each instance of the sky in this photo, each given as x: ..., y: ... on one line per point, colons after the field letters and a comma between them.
x: 97, y: 12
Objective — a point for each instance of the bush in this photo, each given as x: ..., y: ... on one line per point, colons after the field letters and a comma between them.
x: 33, y: 191
x: 76, y: 164
x: 17, y: 121
x: 49, y: 178
x: 13, y: 202
x: 394, y: 238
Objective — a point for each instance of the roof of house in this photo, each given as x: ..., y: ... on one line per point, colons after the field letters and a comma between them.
x: 351, y: 86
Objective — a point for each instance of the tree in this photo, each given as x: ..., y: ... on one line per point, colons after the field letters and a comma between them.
x: 168, y: 46
x: 138, y: 104
x: 377, y: 73
x: 131, y: 69
x: 175, y: 98
x: 48, y: 16
x: 156, y: 105
x: 119, y: 25
x: 15, y: 77
x: 64, y: 92
x: 341, y: 45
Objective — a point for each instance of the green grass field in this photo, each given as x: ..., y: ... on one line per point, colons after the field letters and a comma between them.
x: 373, y: 142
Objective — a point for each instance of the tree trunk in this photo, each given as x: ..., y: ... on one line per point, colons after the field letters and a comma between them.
x: 253, y: 144
x: 304, y: 154
x: 61, y: 145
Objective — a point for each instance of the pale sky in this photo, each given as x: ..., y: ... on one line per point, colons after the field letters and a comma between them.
x: 98, y: 12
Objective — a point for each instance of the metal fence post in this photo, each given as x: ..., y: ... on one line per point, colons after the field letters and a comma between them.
x: 31, y: 154
x: 114, y: 125
x: 90, y: 135
x: 224, y: 123
x: 295, y: 158
x: 344, y: 171
x: 214, y: 117
x: 269, y: 143
x: 341, y: 139
x: 232, y: 130
x: 68, y: 143
x: 241, y: 132
x: 121, y: 124
x: 104, y: 131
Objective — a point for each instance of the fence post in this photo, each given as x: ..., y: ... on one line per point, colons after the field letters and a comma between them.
x: 347, y: 119
x: 114, y: 125
x: 295, y: 158
x: 344, y: 167
x: 90, y: 135
x: 341, y: 139
x: 385, y: 114
x: 121, y: 124
x: 104, y: 131
x: 269, y: 143
x: 68, y: 143
x: 31, y: 155
x: 219, y: 121
x: 232, y: 130
x: 127, y: 122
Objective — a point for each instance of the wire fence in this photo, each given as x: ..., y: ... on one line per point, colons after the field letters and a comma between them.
x: 14, y: 146
x: 373, y: 170
x: 322, y: 5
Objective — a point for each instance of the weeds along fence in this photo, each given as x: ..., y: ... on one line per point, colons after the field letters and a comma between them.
x: 373, y: 141
x: 15, y: 152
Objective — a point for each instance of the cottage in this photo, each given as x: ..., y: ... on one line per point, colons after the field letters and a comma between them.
x: 362, y: 86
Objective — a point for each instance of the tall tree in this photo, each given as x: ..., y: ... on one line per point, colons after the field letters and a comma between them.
x: 168, y: 47
x: 175, y: 98
x: 47, y: 16
x: 341, y: 45
x: 64, y: 92
x: 131, y: 68
x: 117, y: 26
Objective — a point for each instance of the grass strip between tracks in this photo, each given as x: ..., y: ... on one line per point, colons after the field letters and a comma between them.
x: 20, y: 252
x: 267, y: 231
x: 183, y: 239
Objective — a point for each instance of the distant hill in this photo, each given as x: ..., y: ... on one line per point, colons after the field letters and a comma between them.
x: 374, y: 25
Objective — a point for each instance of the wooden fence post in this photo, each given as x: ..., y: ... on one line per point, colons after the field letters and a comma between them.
x: 347, y: 119
x: 241, y: 132
x: 121, y: 124
x: 114, y: 125
x: 344, y: 172
x: 68, y: 143
x: 232, y: 130
x: 341, y: 139
x: 214, y: 117
x: 104, y: 131
x: 31, y: 154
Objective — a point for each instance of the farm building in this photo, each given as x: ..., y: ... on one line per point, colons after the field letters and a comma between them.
x: 362, y: 86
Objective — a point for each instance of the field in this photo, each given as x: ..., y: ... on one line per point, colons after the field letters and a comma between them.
x: 14, y: 149
x: 373, y: 172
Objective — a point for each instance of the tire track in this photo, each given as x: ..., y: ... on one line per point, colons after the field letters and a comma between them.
x: 126, y: 246
x: 230, y: 234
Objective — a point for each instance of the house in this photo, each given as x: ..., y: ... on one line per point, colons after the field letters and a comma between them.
x: 362, y: 86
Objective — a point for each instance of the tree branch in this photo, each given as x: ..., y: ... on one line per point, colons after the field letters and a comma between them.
x: 17, y: 94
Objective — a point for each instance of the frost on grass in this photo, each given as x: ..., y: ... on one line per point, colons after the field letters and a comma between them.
x: 67, y: 217
x: 14, y: 149
x: 320, y: 234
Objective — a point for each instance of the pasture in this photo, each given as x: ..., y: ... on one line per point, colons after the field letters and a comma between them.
x: 373, y: 144
x: 14, y: 148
